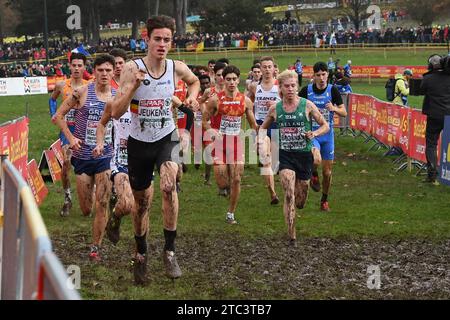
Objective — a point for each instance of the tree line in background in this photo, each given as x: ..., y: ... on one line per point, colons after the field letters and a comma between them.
x: 26, y: 17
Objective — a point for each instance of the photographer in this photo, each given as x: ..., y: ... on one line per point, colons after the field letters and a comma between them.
x: 436, y: 105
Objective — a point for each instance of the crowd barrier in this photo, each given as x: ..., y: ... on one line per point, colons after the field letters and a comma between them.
x: 28, y: 267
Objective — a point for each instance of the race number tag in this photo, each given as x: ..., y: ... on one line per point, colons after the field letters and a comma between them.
x: 230, y: 125
x: 91, y: 132
x: 123, y: 152
x: 326, y: 115
x: 292, y: 139
x: 70, y: 117
x: 155, y: 113
x: 108, y: 132
x: 198, y: 116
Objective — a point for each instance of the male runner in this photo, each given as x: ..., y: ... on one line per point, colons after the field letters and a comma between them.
x: 329, y: 101
x: 90, y: 101
x: 149, y: 85
x: 65, y: 89
x: 264, y: 94
x: 293, y: 116
x: 228, y: 108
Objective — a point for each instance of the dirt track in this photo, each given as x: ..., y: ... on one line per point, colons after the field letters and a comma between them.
x: 233, y: 267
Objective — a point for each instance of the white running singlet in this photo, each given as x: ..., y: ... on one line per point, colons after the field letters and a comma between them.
x: 262, y: 98
x: 151, y: 105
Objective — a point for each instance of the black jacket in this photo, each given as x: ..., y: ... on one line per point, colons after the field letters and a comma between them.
x: 436, y: 88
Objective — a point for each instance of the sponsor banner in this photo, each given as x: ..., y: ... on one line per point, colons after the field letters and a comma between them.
x: 380, y: 121
x: 53, y: 165
x: 376, y: 71
x: 51, y: 82
x: 23, y: 86
x: 14, y: 143
x: 361, y: 112
x: 444, y: 171
x: 56, y: 147
x: 418, y: 125
x: 36, y: 182
x: 404, y: 138
x: 393, y: 124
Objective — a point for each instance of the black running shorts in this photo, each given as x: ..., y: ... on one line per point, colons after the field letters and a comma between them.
x: 300, y: 162
x: 142, y: 157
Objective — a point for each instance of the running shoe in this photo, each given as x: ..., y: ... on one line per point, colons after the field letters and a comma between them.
x: 324, y: 206
x: 140, y: 268
x: 315, y: 183
x: 113, y: 228
x: 292, y: 243
x: 275, y: 200
x: 94, y: 254
x: 231, y: 220
x: 65, y: 210
x: 173, y: 271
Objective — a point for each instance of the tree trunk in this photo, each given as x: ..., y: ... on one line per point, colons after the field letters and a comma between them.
x: 178, y: 15
x: 135, y: 27
x: 149, y: 11
x: 157, y: 8
x: 95, y: 23
x: 184, y: 15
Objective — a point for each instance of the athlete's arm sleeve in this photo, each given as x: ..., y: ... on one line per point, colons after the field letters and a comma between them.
x: 189, y: 116
x: 52, y: 106
x: 336, y: 96
x: 304, y: 93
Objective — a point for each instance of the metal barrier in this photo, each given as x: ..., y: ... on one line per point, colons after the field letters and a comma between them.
x: 28, y: 268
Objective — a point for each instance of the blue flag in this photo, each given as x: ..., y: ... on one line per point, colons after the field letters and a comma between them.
x: 81, y: 50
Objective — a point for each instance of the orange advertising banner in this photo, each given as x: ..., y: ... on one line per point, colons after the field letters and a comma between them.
x: 53, y: 165
x: 376, y: 71
x: 36, y: 182
x: 14, y: 143
x: 51, y: 82
x: 57, y: 149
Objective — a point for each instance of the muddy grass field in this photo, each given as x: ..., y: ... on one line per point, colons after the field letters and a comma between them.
x: 381, y: 221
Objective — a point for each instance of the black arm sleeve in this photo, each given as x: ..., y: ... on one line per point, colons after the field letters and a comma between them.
x: 336, y: 97
x: 189, y: 116
x: 304, y: 92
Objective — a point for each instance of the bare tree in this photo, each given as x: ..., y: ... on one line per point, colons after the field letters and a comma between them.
x: 180, y: 20
x: 425, y: 12
x: 157, y: 8
x: 356, y: 10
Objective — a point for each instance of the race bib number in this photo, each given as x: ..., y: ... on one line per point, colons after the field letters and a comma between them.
x: 261, y: 110
x: 91, y: 133
x: 326, y: 115
x: 70, y: 117
x: 155, y: 114
x: 230, y: 125
x: 123, y: 152
x: 108, y: 132
x: 198, y: 117
x: 292, y: 139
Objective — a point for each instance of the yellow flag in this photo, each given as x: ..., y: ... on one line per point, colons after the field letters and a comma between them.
x: 252, y: 45
x: 200, y: 47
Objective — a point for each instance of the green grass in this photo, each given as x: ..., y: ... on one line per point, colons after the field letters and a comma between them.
x: 368, y: 200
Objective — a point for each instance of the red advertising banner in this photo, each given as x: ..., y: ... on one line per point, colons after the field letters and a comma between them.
x: 53, y: 165
x: 394, y: 124
x: 380, y: 121
x: 14, y: 143
x: 36, y: 182
x: 405, y: 115
x: 417, y: 136
x: 51, y: 82
x: 57, y: 149
x: 376, y: 71
x: 361, y: 112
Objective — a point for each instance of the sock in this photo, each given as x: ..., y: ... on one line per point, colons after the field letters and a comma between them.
x: 141, y: 243
x: 170, y: 240
x: 68, y: 194
x: 230, y: 215
x: 324, y: 197
x: 315, y: 173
